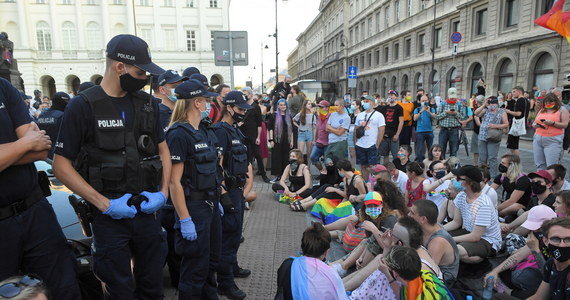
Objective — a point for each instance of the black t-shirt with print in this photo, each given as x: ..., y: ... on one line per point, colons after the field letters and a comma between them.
x: 559, y: 281
x: 391, y: 115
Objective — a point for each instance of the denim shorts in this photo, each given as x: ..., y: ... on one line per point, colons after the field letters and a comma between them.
x: 367, y: 156
x: 305, y: 136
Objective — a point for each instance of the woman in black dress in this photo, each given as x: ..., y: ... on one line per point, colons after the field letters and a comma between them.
x: 281, y: 138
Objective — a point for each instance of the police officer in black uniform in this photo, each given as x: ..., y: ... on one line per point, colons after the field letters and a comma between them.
x: 234, y: 166
x: 111, y: 151
x: 194, y: 184
x: 32, y: 240
x: 50, y: 120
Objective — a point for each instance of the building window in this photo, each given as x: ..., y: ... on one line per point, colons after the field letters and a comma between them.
x: 386, y: 17
x: 405, y: 82
x: 190, y: 40
x: 146, y: 35
x: 419, y: 80
x: 66, y: 2
x: 435, y: 79
x: 543, y: 72
x: 545, y: 6
x: 452, y: 76
x: 69, y: 37
x: 169, y: 3
x: 481, y: 22
x: 212, y: 40
x: 369, y: 59
x: 396, y: 51
x: 377, y: 57
x: 475, y: 76
x: 118, y: 2
x: 90, y: 2
x: 93, y: 36
x: 214, y: 3
x: 506, y: 76
x: 362, y: 32
x: 362, y: 63
x: 378, y: 22
x: 407, y: 48
x: 386, y: 54
x: 512, y: 11
x: 144, y: 2
x: 409, y: 8
x: 43, y: 34
x: 393, y: 83
x: 369, y: 27
x: 397, y: 5
x: 383, y: 88
x: 422, y: 4
x: 169, y: 39
x: 421, y: 43
x: 356, y: 36
x: 41, y: 1
x: 455, y: 26
x: 438, y: 38
x: 189, y: 3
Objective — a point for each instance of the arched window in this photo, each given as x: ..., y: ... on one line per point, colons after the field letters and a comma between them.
x: 452, y: 76
x: 476, y: 74
x: 68, y: 37
x: 435, y: 83
x: 506, y: 76
x: 393, y: 83
x: 368, y: 86
x: 419, y: 81
x: 375, y: 86
x: 94, y: 36
x: 383, y: 90
x: 43, y: 34
x: 405, y: 82
x: 543, y: 72
x: 360, y: 89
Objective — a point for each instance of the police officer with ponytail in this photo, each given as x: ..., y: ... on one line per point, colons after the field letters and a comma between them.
x: 111, y: 151
x: 194, y: 185
x: 234, y: 165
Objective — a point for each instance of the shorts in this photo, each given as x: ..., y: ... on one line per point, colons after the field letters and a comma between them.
x: 389, y: 146
x: 305, y: 136
x: 366, y: 156
x: 513, y: 142
x: 474, y: 143
x: 338, y: 150
x: 482, y: 248
x: 350, y: 139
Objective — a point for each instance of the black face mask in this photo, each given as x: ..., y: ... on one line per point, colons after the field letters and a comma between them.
x: 503, y: 169
x: 561, y: 254
x: 537, y: 188
x: 439, y: 174
x: 238, y: 117
x: 294, y: 166
x: 131, y: 84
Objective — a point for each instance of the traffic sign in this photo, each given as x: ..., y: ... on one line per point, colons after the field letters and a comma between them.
x: 352, y: 71
x: 456, y: 37
x: 455, y: 49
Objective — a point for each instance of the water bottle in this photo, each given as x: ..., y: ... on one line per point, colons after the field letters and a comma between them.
x: 488, y: 289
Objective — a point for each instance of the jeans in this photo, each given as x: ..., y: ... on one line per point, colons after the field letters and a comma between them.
x: 489, y: 152
x: 420, y: 138
x: 546, y: 150
x: 450, y: 134
x: 317, y: 152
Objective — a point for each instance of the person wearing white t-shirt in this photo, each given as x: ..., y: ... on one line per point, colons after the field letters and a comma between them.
x: 475, y: 226
x: 373, y: 124
x: 437, y: 182
x: 399, y: 178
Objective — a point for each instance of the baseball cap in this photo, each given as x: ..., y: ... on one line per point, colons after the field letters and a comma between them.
x: 537, y: 215
x: 60, y: 96
x: 200, y: 78
x: 452, y: 92
x: 236, y: 98
x: 324, y: 103
x: 132, y: 50
x: 377, y: 168
x: 191, y: 89
x: 373, y: 198
x: 541, y: 173
x: 170, y: 76
x: 24, y: 96
x: 471, y: 172
x: 247, y: 89
x: 368, y: 97
x: 85, y: 85
x: 189, y: 71
x: 393, y: 92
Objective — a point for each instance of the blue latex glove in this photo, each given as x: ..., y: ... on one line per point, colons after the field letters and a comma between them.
x: 221, y: 209
x: 119, y: 209
x: 154, y: 203
x: 188, y: 229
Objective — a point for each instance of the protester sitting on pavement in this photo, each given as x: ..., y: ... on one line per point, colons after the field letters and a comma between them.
x: 321, y: 134
x: 377, y: 172
x: 436, y: 240
x: 447, y: 211
x: 434, y: 154
x: 562, y: 204
x: 515, y: 184
x: 298, y: 175
x: 521, y: 273
x: 558, y: 173
x: 248, y: 194
x: 25, y: 287
x: 403, y: 158
x: 436, y: 183
x: 475, y: 226
x: 549, y: 127
x: 399, y: 178
x: 307, y: 276
x: 415, y: 183
x: 329, y: 177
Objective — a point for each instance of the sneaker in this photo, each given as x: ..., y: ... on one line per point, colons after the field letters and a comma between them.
x: 265, y: 179
x: 233, y: 293
x: 275, y: 180
x: 338, y: 268
x: 247, y: 206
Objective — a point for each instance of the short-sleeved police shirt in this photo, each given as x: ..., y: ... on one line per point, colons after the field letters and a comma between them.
x: 16, y: 182
x: 77, y: 126
x: 165, y: 115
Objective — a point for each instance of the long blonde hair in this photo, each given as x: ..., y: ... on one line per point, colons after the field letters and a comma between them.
x: 180, y: 111
x: 515, y: 167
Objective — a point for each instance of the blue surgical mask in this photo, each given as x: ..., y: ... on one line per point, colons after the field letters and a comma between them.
x: 205, y: 114
x: 365, y: 105
x: 341, y: 174
x: 353, y: 107
x: 172, y: 96
x: 374, y: 212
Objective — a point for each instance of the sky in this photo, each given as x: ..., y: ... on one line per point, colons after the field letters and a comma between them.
x: 257, y: 17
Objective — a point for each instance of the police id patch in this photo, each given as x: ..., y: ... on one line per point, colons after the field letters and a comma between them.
x: 110, y: 123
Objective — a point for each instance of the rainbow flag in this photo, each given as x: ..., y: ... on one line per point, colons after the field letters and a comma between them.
x: 556, y: 20
x: 332, y: 209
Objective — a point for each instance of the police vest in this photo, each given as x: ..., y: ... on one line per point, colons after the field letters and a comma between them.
x: 200, y: 168
x: 235, y: 155
x: 115, y: 159
x: 50, y: 121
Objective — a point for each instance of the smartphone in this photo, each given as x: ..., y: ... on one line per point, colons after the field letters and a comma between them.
x: 540, y: 125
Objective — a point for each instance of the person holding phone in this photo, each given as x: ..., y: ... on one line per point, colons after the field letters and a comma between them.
x: 550, y: 123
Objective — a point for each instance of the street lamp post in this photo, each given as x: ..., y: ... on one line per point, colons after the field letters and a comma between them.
x: 262, y: 82
x: 276, y: 48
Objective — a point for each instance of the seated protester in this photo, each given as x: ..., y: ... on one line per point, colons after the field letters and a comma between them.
x: 299, y: 177
x: 486, y: 186
x: 400, y: 178
x: 541, y: 183
x: 437, y: 182
x: 373, y: 172
x: 248, y: 194
x: 438, y: 242
x: 392, y: 208
x: 562, y: 204
x: 308, y: 277
x: 558, y: 173
x: 475, y: 227
x: 332, y: 209
x: 521, y: 273
x: 447, y: 211
x: 403, y: 157
x: 414, y: 186
x: 515, y: 183
x: 406, y: 232
x: 555, y: 284
x: 350, y: 231
x: 434, y: 154
x: 328, y: 178
x: 27, y: 287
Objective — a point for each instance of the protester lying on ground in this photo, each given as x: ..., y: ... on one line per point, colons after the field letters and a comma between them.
x: 515, y: 183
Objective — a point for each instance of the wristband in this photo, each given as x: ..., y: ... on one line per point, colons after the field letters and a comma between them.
x: 391, y: 281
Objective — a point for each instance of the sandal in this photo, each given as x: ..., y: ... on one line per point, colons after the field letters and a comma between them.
x: 296, y: 206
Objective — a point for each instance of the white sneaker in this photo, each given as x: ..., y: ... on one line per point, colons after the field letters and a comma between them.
x: 338, y: 268
x: 247, y: 206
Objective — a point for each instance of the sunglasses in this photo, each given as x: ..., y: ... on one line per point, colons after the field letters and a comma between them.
x: 13, y: 289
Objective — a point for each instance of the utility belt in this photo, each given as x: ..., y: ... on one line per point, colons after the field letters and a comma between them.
x: 20, y: 206
x: 201, y: 195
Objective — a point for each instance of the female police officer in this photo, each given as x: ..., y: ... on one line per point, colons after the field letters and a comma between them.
x: 193, y: 186
x: 234, y: 166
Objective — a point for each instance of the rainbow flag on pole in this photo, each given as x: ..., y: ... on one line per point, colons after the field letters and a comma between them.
x: 556, y: 20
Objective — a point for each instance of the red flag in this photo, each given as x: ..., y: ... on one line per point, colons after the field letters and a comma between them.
x: 556, y: 20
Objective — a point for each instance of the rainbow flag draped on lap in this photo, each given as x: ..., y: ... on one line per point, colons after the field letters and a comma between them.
x: 331, y: 210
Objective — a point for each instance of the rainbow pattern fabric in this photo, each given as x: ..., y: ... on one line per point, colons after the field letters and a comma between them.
x: 332, y: 209
x: 556, y: 19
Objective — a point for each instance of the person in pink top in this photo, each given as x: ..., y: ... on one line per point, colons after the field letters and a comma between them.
x: 549, y: 127
x: 321, y: 136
